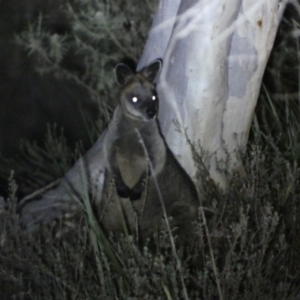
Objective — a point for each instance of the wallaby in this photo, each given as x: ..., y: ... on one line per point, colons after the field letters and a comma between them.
x: 142, y: 178
x: 144, y: 171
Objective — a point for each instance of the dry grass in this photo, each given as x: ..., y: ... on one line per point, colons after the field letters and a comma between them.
x: 248, y: 240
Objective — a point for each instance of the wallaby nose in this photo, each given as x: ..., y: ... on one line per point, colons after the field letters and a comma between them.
x: 151, y: 112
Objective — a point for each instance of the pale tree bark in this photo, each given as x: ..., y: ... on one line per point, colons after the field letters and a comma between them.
x: 215, y: 53
x: 213, y: 67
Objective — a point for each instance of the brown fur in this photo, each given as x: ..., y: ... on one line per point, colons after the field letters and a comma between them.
x: 134, y: 147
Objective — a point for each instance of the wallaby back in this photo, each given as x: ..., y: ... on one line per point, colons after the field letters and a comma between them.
x: 142, y: 178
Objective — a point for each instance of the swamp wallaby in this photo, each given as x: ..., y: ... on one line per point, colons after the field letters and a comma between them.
x: 133, y: 177
x: 145, y: 173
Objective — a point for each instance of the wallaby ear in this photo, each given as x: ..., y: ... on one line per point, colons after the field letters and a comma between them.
x: 123, y: 74
x: 151, y: 72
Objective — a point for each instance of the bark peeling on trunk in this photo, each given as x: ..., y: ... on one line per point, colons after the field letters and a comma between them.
x: 214, y: 63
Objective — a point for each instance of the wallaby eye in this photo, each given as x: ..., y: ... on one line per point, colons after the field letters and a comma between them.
x: 153, y: 97
x: 134, y: 99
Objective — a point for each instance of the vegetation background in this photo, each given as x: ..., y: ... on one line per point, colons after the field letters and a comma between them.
x: 56, y: 61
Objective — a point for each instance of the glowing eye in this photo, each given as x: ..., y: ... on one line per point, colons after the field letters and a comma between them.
x: 153, y: 97
x: 134, y: 99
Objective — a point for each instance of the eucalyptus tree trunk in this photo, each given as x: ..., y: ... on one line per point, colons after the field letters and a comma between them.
x: 215, y: 53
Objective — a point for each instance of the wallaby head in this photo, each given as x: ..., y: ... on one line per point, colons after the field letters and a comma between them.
x: 138, y: 97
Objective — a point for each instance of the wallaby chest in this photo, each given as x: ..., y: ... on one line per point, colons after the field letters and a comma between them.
x: 131, y: 158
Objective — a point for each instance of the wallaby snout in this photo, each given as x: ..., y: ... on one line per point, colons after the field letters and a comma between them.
x: 151, y: 111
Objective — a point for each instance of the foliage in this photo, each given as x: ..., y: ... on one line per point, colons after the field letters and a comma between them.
x: 276, y: 123
x: 71, y: 47
x: 247, y: 241
x: 253, y: 243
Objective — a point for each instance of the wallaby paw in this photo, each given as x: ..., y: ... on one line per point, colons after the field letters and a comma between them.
x: 135, y: 196
x: 123, y: 191
x: 136, y: 192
